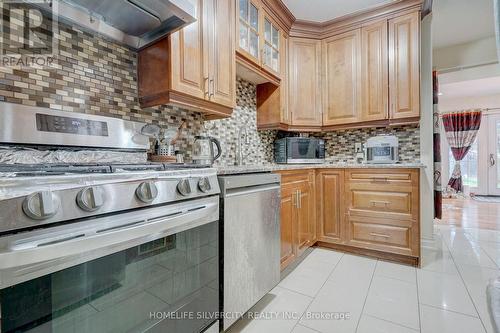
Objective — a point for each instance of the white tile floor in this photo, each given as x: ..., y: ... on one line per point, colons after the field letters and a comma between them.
x: 342, y: 293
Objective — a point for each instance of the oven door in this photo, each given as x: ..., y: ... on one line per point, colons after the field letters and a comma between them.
x: 152, y: 270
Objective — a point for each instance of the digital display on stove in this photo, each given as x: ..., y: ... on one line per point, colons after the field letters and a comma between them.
x: 70, y: 125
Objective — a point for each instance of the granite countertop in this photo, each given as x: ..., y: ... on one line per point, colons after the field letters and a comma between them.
x: 232, y: 169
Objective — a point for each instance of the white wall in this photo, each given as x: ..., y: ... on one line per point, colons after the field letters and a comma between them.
x: 469, y: 102
x: 479, y: 52
x: 426, y: 133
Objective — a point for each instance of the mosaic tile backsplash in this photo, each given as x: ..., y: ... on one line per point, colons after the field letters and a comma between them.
x: 340, y: 144
x: 98, y: 76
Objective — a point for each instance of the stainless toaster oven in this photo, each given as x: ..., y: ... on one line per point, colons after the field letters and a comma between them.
x: 297, y: 150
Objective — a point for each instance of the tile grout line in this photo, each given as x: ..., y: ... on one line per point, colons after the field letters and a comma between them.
x: 391, y: 322
x: 488, y: 255
x: 418, y: 299
x: 366, y: 297
x: 314, y: 297
x: 448, y: 310
x: 467, y: 289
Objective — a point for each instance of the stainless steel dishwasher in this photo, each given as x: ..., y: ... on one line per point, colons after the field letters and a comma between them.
x: 250, y: 223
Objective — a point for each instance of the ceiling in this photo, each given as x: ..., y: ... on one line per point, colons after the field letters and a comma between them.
x: 325, y: 10
x: 461, y: 21
x: 471, y: 88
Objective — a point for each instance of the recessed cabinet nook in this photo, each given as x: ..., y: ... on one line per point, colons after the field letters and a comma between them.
x: 360, y: 70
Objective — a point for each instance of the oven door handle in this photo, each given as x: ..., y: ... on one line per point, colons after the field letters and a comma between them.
x: 55, y: 252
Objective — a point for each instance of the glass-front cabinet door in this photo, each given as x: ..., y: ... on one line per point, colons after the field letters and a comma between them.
x: 249, y: 28
x: 271, y: 47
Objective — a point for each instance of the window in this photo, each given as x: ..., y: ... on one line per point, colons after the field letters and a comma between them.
x: 468, y: 165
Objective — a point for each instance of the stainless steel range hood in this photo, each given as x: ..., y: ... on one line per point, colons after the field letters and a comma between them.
x: 136, y: 23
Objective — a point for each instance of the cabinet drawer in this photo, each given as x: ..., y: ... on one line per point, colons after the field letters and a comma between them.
x: 392, y: 238
x: 387, y: 204
x: 383, y: 177
x: 381, y: 234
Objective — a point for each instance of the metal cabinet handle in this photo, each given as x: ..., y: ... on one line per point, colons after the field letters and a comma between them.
x: 297, y: 199
x: 376, y: 202
x: 212, y: 86
x: 380, y: 179
x: 206, y: 84
x: 492, y: 160
x: 379, y: 235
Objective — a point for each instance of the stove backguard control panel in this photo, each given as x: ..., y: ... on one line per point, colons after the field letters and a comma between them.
x: 71, y: 125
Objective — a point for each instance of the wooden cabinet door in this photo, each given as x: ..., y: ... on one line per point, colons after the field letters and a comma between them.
x: 284, y: 109
x: 221, y: 62
x: 271, y: 44
x: 374, y: 72
x: 305, y: 216
x: 404, y: 66
x: 188, y: 57
x: 341, y: 82
x: 304, y: 82
x: 330, y: 194
x: 288, y: 229
x: 248, y: 29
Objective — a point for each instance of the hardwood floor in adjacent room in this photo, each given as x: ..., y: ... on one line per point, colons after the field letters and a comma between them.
x: 469, y: 213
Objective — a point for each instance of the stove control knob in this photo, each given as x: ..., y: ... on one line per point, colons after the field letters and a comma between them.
x: 184, y: 188
x: 40, y: 205
x: 90, y: 198
x: 147, y: 192
x: 204, y: 184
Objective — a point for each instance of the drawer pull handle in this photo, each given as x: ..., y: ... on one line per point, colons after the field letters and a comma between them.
x: 376, y: 203
x: 380, y: 179
x: 379, y: 235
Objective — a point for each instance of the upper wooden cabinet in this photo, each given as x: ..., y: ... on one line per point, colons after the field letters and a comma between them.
x: 259, y: 42
x: 271, y: 47
x: 272, y: 100
x: 305, y: 83
x: 404, y: 66
x: 342, y: 79
x: 374, y: 72
x: 195, y: 66
x: 222, y: 65
x: 357, y: 72
x: 249, y: 27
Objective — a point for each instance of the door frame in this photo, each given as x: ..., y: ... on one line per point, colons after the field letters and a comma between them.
x: 492, y: 149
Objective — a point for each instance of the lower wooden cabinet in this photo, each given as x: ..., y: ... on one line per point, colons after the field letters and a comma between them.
x: 382, y: 210
x: 298, y: 230
x: 330, y: 192
x: 368, y: 211
x: 288, y: 224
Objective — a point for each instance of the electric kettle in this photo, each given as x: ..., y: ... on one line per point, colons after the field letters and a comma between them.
x: 203, y: 150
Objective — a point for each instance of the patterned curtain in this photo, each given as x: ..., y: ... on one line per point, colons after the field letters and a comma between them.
x: 461, y: 129
x: 438, y: 192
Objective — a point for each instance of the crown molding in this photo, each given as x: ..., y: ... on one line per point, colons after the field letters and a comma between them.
x: 321, y: 30
x: 281, y: 13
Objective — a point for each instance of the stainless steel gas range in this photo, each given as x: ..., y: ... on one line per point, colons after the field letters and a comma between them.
x: 105, y: 247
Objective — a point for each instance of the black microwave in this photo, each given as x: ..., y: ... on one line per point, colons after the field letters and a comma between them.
x: 297, y: 150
